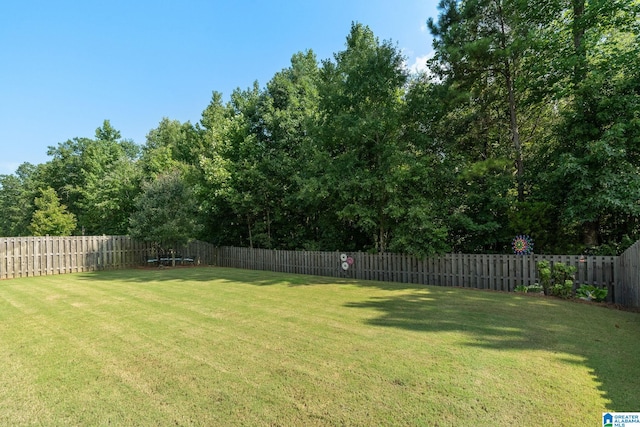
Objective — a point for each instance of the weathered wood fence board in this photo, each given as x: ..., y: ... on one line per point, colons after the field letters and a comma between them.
x: 47, y: 255
x: 493, y: 272
x: 628, y: 292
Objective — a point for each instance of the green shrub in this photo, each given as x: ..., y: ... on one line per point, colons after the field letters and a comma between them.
x: 521, y: 288
x: 592, y: 293
x: 535, y: 288
x: 544, y: 273
x: 563, y: 290
x: 557, y: 281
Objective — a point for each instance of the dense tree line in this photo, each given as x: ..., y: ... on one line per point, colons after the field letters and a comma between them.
x: 527, y: 122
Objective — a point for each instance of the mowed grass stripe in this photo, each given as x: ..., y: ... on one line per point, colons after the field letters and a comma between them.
x: 213, y: 346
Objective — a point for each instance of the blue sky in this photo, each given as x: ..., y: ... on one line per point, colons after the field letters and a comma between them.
x: 65, y: 66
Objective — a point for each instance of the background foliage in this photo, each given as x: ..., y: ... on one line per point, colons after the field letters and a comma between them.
x: 527, y: 122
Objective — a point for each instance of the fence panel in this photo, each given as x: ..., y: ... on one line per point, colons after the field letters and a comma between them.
x: 36, y: 256
x: 627, y: 290
x: 47, y: 255
x: 494, y: 272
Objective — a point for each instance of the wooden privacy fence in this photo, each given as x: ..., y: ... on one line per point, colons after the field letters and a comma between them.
x: 495, y: 272
x: 628, y: 267
x: 40, y: 256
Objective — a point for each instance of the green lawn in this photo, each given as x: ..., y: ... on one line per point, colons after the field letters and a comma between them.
x: 214, y: 346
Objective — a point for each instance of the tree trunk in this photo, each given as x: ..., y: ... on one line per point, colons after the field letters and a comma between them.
x: 590, y: 233
x: 250, y: 237
x: 509, y: 78
x: 382, y: 239
x: 515, y: 133
x: 269, y: 230
x: 578, y: 30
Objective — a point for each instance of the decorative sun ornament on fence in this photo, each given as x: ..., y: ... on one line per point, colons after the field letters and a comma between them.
x: 522, y: 245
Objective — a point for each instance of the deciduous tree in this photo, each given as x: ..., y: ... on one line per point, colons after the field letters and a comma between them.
x: 166, y: 212
x: 51, y: 217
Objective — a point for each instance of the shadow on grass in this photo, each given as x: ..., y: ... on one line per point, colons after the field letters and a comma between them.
x: 211, y: 273
x: 606, y: 340
x: 156, y: 274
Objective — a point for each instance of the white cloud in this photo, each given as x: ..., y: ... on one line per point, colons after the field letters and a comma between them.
x: 407, y: 53
x: 420, y: 64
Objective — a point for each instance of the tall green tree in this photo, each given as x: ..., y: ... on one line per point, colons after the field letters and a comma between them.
x: 108, y: 198
x: 361, y: 104
x: 479, y: 47
x: 593, y: 166
x: 80, y: 170
x: 171, y: 145
x: 369, y: 172
x: 287, y: 111
x: 214, y: 166
x: 255, y: 153
x: 51, y: 217
x: 506, y: 68
x: 166, y: 212
x: 241, y: 183
x: 17, y: 194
